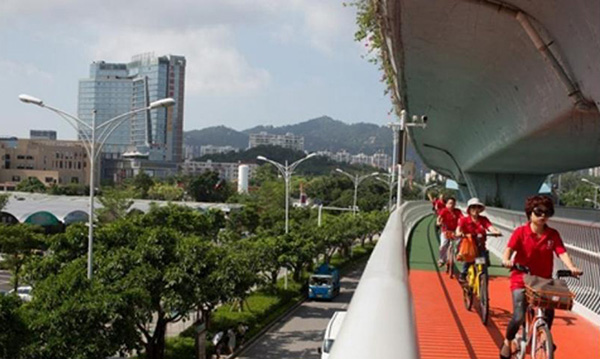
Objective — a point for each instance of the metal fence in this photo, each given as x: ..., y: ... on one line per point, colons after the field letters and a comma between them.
x: 582, y: 239
x: 380, y: 321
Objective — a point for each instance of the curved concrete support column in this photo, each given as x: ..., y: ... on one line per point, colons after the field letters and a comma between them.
x: 505, y: 190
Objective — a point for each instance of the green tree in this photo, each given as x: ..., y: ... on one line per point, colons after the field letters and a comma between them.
x: 73, y: 317
x: 18, y: 243
x: 3, y: 201
x: 208, y: 187
x: 271, y: 250
x: 14, y: 333
x: 240, y: 267
x: 31, y: 184
x: 142, y: 183
x: 115, y: 204
x: 165, y: 192
x: 577, y: 195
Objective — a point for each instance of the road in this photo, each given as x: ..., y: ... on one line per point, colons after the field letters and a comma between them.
x: 301, y: 333
x: 5, y: 281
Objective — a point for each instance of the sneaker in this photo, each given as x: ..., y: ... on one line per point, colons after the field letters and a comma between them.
x: 440, y: 263
x: 462, y: 278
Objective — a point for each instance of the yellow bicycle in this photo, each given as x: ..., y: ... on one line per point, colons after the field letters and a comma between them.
x: 476, y: 284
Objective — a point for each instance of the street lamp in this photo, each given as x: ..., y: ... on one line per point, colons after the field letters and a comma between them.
x: 592, y: 202
x: 357, y: 180
x: 596, y: 188
x: 424, y: 188
x: 286, y: 171
x: 390, y: 182
x: 398, y: 128
x: 93, y: 146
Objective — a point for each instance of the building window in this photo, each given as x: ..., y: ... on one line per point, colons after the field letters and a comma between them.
x: 74, y: 179
x: 60, y: 164
x: 20, y: 157
x: 49, y: 179
x: 16, y: 178
x: 29, y: 157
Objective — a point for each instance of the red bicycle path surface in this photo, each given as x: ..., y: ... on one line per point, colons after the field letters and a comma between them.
x: 446, y: 329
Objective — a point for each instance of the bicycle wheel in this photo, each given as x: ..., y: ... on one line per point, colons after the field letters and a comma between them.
x: 450, y: 261
x: 484, y: 303
x: 467, y: 297
x: 542, y: 346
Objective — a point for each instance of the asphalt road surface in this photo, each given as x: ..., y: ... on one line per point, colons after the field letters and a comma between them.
x: 301, y: 333
x: 5, y: 280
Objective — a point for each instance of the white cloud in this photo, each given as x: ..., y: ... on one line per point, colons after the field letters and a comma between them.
x: 213, y: 64
x: 20, y: 70
x: 326, y: 22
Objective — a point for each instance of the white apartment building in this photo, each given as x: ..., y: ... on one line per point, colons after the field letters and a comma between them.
x: 227, y: 170
x: 213, y: 150
x: 289, y: 140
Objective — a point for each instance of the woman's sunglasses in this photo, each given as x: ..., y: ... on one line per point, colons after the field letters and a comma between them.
x: 542, y: 212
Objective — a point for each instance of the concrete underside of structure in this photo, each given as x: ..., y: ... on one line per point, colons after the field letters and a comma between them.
x: 500, y: 117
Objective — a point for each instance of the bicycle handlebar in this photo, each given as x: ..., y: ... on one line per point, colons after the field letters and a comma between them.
x: 559, y: 273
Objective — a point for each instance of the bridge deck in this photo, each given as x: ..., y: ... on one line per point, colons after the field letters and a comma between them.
x: 446, y: 329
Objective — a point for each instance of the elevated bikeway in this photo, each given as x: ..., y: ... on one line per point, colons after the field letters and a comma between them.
x: 446, y: 329
x: 406, y: 307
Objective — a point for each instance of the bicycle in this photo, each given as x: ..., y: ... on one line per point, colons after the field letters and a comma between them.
x: 535, y: 334
x: 451, y: 253
x: 476, y: 284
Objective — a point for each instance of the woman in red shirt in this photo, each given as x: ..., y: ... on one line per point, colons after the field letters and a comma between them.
x: 447, y: 220
x: 533, y: 245
x: 476, y: 225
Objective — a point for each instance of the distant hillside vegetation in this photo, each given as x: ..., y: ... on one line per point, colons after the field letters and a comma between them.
x: 217, y: 136
x: 325, y: 133
x: 320, y: 134
x: 313, y: 166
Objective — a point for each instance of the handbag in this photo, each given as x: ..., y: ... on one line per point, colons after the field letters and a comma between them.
x: 467, y: 250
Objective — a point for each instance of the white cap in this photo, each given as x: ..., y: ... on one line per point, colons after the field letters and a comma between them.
x: 475, y: 202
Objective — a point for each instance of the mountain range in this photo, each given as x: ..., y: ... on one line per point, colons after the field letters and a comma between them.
x: 322, y: 133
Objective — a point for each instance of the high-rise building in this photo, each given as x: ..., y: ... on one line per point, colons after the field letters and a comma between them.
x: 42, y: 135
x: 115, y: 88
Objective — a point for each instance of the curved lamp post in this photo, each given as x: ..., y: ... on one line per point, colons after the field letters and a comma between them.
x: 596, y: 188
x: 357, y: 180
x: 93, y: 146
x: 286, y: 171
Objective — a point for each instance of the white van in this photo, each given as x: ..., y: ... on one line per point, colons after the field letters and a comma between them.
x: 331, y: 332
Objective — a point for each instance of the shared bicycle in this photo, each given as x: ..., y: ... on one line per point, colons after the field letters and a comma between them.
x: 476, y: 283
x: 451, y: 253
x: 535, y: 336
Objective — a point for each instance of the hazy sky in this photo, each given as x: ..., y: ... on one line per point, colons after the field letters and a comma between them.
x: 249, y: 62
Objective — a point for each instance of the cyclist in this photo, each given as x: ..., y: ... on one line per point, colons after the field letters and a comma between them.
x: 535, y: 244
x: 447, y: 220
x: 476, y: 225
x: 438, y: 203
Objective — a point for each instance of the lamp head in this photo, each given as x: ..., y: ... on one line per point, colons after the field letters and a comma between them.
x: 261, y: 158
x: 30, y: 99
x: 163, y: 103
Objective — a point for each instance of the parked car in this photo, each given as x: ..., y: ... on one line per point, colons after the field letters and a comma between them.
x: 24, y: 292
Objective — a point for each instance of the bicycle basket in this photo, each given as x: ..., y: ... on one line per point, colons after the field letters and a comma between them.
x: 548, y: 293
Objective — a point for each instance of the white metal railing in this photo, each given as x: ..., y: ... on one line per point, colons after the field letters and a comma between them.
x: 380, y: 321
x: 582, y: 239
